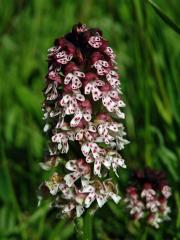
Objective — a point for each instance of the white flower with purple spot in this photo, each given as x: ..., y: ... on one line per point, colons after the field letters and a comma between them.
x: 166, y: 191
x: 153, y: 205
x: 106, y: 129
x: 51, y: 91
x: 84, y: 112
x: 111, y: 54
x: 53, y: 50
x: 86, y: 133
x: 79, y: 169
x: 70, y: 101
x: 111, y: 103
x: 74, y: 79
x: 92, y: 87
x: 94, y: 194
x: 115, y: 160
x: 100, y: 192
x: 62, y: 139
x: 102, y: 67
x: 95, y: 41
x: 63, y: 58
x: 113, y: 78
x: 148, y: 193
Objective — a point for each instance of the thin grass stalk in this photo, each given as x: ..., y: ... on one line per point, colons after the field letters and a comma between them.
x: 88, y: 226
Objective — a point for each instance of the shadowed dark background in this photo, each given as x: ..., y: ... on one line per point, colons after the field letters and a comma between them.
x: 148, y: 50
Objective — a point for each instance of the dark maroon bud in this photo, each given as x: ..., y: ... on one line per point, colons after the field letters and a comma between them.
x: 86, y: 104
x: 139, y: 174
x: 70, y: 67
x: 131, y: 190
x: 147, y: 186
x: 68, y: 88
x: 79, y: 57
x: 71, y: 37
x: 86, y: 36
x: 43, y: 191
x: 106, y: 87
x: 82, y: 124
x: 75, y: 29
x: 95, y: 32
x: 162, y: 199
x: 96, y: 56
x: 66, y: 45
x: 60, y: 42
x: 71, y: 49
x: 162, y: 183
x: 99, y: 31
x: 90, y: 76
x: 103, y: 46
x: 79, y: 28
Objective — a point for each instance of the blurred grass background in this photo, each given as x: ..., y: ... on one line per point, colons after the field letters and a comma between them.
x: 148, y: 53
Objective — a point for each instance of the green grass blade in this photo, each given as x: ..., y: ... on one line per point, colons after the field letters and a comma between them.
x: 164, y: 17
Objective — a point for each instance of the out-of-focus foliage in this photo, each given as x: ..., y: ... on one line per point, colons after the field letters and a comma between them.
x: 148, y: 53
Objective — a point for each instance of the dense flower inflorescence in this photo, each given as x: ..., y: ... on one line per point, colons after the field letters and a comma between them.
x: 82, y: 113
x: 147, y: 197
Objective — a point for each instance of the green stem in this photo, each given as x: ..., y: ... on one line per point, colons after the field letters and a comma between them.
x: 79, y: 228
x: 88, y: 227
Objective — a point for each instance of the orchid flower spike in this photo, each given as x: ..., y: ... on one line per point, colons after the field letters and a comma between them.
x: 83, y: 122
x: 147, y: 197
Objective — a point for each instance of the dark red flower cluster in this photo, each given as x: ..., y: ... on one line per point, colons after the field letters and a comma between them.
x: 147, y: 196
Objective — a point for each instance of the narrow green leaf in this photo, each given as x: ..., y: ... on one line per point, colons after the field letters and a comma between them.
x: 164, y: 17
x: 163, y: 110
x: 169, y: 159
x: 177, y: 197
